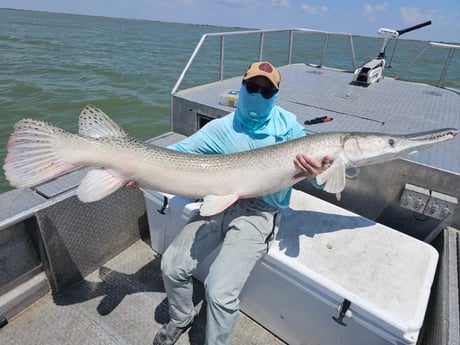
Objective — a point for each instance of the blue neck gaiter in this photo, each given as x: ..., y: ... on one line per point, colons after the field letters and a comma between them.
x: 254, y: 112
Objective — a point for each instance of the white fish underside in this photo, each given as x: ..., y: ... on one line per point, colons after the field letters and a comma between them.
x: 38, y: 151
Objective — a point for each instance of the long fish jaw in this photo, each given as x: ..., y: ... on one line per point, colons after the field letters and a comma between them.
x: 364, y: 149
x: 358, y: 149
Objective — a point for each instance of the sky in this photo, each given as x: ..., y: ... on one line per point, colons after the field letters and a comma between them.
x: 352, y: 16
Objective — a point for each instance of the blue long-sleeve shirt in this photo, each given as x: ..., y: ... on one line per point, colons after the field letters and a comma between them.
x: 227, y: 135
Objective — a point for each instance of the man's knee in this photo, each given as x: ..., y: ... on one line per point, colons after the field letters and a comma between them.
x: 175, y: 270
x: 221, y: 297
x: 170, y: 271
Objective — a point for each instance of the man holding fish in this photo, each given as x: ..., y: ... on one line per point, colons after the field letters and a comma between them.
x: 242, y: 165
x: 244, y: 229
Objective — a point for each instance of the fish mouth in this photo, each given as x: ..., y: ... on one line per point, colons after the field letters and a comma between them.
x: 433, y: 136
x: 405, y: 144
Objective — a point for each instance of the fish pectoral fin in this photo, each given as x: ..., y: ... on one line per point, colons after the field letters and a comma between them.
x: 214, y: 204
x: 333, y: 178
x: 99, y: 183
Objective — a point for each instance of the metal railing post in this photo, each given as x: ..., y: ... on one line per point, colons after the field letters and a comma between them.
x: 189, y: 63
x: 413, y: 61
x: 352, y: 49
x: 261, y: 46
x: 323, y: 53
x: 291, y: 40
x: 446, y: 66
x: 222, y: 53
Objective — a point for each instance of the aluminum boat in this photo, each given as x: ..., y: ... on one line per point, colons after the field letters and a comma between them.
x: 380, y: 266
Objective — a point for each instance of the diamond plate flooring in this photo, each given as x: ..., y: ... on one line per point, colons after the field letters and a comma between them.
x: 122, y: 302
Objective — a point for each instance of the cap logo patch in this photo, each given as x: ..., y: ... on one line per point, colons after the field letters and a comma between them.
x: 265, y: 67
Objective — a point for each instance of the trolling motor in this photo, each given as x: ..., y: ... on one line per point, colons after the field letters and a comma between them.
x: 372, y: 71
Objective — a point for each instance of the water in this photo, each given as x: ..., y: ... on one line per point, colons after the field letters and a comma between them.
x: 52, y: 65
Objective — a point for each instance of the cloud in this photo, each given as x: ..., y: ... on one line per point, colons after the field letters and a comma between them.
x: 281, y: 3
x: 371, y: 11
x: 412, y: 15
x: 314, y: 10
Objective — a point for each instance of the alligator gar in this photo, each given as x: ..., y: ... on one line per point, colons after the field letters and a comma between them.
x: 38, y: 151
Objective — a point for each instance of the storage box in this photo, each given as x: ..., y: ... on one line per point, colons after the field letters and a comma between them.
x: 167, y: 214
x: 333, y: 277
x: 229, y: 98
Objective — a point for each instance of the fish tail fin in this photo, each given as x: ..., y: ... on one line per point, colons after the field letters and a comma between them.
x: 32, y: 156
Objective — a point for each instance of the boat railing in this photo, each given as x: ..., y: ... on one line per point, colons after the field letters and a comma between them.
x: 289, y: 53
x: 262, y: 33
x: 451, y: 50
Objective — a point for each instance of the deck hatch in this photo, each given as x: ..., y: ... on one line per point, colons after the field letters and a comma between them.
x: 61, y: 184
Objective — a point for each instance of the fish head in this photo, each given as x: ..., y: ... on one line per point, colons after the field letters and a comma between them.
x: 371, y: 148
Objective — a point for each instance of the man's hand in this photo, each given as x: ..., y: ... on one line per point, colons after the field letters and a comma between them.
x: 310, y: 167
x: 132, y: 184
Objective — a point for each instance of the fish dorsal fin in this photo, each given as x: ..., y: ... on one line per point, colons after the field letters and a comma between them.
x: 214, y: 204
x: 93, y: 122
x: 99, y: 183
x: 333, y: 178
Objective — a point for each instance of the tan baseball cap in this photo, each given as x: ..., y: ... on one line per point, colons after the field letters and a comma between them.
x: 265, y: 69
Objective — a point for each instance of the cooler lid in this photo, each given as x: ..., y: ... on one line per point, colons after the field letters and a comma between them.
x: 385, y: 274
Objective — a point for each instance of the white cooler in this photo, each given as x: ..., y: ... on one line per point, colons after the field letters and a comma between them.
x: 331, y: 276
x: 167, y: 214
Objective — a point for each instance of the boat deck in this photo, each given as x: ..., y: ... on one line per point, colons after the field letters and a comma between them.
x: 389, y: 106
x: 123, y: 302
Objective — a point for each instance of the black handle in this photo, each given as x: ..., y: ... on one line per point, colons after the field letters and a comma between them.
x: 343, y: 312
x: 415, y: 27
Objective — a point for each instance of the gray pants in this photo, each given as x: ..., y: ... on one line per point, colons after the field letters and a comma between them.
x: 244, y: 230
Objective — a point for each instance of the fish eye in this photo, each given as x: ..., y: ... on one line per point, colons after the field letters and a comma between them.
x: 391, y: 142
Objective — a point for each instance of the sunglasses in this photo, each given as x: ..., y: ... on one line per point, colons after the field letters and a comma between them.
x: 266, y: 91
